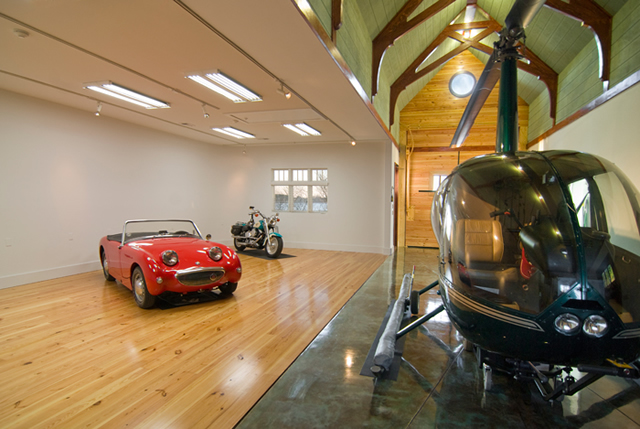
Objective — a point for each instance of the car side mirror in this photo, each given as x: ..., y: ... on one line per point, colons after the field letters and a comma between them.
x: 208, y: 237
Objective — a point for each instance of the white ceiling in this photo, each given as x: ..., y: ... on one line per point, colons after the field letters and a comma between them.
x: 149, y: 46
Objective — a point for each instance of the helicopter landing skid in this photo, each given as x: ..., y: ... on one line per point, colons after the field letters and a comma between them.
x: 384, y: 351
x: 553, y: 382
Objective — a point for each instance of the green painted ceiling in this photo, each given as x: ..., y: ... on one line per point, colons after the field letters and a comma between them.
x: 555, y: 38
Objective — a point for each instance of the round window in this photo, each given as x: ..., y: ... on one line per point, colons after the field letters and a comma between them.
x: 462, y: 83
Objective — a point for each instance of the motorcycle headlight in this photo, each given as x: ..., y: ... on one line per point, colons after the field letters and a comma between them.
x: 170, y: 257
x: 567, y: 323
x: 215, y: 253
x: 273, y: 221
x: 595, y: 326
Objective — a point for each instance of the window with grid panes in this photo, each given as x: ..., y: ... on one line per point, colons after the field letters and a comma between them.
x: 302, y: 190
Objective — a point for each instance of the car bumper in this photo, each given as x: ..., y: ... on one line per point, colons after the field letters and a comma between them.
x: 193, y: 279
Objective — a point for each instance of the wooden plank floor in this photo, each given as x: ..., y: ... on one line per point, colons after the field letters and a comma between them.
x: 77, y: 351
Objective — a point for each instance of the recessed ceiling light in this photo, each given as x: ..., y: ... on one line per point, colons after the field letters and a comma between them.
x: 230, y: 131
x: 225, y: 86
x: 120, y: 92
x: 302, y: 129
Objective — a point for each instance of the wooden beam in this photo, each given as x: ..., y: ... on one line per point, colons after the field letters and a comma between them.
x: 489, y: 148
x: 336, y: 19
x: 410, y: 75
x: 630, y: 81
x: 597, y: 19
x: 396, y: 28
x: 536, y: 66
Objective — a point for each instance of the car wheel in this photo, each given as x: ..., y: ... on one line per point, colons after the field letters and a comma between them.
x: 228, y: 288
x: 239, y: 247
x: 105, y: 267
x: 274, y: 246
x: 140, y: 292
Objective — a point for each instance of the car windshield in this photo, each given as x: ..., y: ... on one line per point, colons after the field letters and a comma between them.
x: 147, y: 229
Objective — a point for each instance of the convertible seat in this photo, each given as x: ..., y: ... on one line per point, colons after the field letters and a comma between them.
x: 115, y: 237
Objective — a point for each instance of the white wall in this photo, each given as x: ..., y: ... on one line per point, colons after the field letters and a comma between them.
x: 611, y: 131
x: 357, y: 216
x: 67, y: 178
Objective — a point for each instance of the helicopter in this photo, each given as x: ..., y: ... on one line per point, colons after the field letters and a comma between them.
x: 539, y: 251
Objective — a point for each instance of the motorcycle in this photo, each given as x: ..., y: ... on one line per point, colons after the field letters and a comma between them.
x: 261, y: 235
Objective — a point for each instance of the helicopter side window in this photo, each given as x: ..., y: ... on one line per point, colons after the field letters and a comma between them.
x: 616, y: 276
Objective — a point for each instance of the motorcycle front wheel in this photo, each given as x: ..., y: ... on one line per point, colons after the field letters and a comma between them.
x: 274, y: 246
x: 239, y: 247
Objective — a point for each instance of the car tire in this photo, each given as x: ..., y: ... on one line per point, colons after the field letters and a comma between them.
x: 239, y: 247
x: 140, y: 292
x: 228, y: 288
x: 274, y: 246
x: 105, y: 267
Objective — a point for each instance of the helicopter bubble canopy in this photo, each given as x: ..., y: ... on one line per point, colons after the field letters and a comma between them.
x: 526, y: 229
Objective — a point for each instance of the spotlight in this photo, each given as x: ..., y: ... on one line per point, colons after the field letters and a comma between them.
x: 204, y: 111
x: 98, y: 109
x: 353, y: 142
x: 22, y: 34
x: 283, y: 91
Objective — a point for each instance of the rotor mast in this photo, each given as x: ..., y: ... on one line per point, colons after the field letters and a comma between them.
x: 507, y: 132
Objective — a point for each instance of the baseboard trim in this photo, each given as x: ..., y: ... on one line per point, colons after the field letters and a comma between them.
x: 53, y: 273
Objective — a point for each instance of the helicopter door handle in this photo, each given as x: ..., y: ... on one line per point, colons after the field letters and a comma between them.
x: 626, y: 260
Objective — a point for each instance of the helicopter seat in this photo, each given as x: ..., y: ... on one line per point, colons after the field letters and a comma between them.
x: 478, y: 245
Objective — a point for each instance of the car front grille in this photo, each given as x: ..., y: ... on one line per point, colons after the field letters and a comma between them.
x: 200, y: 277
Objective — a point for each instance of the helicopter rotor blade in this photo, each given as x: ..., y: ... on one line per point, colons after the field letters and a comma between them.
x: 521, y: 15
x: 488, y: 79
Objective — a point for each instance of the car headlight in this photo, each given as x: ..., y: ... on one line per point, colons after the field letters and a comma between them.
x: 567, y: 323
x: 595, y: 326
x: 215, y: 253
x: 170, y: 257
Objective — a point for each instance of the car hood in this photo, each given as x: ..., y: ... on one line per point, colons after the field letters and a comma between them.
x: 185, y: 247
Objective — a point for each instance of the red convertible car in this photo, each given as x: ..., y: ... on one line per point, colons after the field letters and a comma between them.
x: 168, y: 257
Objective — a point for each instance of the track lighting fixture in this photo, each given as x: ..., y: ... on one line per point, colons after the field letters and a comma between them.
x: 204, y: 111
x: 19, y: 32
x: 98, y: 109
x: 283, y: 91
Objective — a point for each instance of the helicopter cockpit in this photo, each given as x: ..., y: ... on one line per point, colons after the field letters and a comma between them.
x: 523, y: 230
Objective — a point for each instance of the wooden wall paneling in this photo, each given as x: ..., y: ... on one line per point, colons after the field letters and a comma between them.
x: 430, y: 120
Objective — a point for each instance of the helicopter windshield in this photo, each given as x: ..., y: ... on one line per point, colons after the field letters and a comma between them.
x: 508, y: 235
x: 607, y: 213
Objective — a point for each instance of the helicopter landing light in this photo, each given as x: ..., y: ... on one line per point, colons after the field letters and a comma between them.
x: 567, y: 324
x: 595, y: 326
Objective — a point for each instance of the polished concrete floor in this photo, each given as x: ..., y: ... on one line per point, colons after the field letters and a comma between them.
x: 438, y: 385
